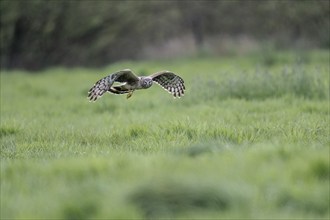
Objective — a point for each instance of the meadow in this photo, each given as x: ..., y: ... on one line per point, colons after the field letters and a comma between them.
x: 250, y: 139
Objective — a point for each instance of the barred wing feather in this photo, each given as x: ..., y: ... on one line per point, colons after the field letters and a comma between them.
x: 172, y: 83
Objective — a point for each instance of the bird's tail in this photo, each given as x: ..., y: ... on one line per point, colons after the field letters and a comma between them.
x: 118, y: 90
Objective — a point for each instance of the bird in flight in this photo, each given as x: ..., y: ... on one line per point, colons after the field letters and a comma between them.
x: 172, y: 83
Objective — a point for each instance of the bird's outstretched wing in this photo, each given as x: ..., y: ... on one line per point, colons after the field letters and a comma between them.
x: 104, y: 84
x: 174, y: 84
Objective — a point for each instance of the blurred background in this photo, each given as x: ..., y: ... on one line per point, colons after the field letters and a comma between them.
x: 37, y: 34
x: 250, y: 138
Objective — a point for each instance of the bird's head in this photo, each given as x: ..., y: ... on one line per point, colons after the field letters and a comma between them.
x: 146, y: 82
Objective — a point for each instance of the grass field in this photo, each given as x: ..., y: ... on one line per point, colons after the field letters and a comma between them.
x: 250, y: 139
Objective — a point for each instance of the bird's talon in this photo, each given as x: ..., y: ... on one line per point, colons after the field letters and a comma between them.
x: 129, y: 94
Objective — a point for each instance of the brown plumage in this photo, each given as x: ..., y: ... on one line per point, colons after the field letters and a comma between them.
x: 171, y: 82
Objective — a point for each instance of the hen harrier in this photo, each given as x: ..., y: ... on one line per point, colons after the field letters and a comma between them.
x: 130, y: 82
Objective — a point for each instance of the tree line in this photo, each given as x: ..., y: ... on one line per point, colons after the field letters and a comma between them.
x: 37, y: 34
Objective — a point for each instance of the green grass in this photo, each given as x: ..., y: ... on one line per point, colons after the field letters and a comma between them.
x: 250, y: 139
